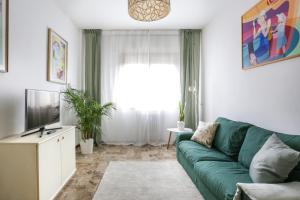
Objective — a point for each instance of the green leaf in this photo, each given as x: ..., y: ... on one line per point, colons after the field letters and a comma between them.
x: 88, y: 111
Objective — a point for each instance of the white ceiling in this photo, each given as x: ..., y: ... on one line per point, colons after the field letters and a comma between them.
x: 112, y: 14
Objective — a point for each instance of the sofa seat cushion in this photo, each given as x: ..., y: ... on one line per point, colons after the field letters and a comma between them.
x: 230, y: 136
x: 221, y: 177
x: 195, y: 152
x: 256, y: 138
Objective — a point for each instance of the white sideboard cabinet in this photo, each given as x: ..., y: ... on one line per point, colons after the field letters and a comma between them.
x: 34, y: 168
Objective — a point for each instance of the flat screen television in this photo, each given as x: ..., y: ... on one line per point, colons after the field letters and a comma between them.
x: 41, y: 108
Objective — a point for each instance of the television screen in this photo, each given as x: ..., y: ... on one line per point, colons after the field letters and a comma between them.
x: 42, y: 108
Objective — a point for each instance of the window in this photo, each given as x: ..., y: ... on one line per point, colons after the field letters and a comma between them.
x: 140, y: 74
x: 143, y: 87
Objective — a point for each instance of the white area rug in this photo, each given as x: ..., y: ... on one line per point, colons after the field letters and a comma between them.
x: 146, y: 180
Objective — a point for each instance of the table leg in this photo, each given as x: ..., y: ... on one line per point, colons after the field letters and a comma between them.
x: 169, y: 139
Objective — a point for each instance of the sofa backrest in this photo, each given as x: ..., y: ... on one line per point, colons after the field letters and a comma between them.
x: 256, y: 138
x: 230, y: 136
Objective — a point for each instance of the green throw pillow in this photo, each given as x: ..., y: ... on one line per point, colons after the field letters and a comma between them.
x: 230, y: 136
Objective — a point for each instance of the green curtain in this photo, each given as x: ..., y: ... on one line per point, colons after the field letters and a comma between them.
x: 93, y: 63
x: 93, y: 66
x: 190, y: 75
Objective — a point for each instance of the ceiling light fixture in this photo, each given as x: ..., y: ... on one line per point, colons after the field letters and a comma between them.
x: 148, y: 10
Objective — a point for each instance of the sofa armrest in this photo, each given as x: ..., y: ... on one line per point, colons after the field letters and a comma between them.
x: 183, y: 136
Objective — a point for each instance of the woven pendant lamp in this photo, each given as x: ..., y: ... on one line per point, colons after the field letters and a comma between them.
x: 148, y: 10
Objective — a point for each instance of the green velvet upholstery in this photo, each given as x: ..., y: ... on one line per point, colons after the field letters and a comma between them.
x: 222, y: 177
x: 182, y: 137
x: 255, y: 139
x: 216, y: 171
x: 195, y: 152
x: 189, y: 168
x: 230, y: 136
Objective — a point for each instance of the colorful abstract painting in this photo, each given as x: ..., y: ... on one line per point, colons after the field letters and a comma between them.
x: 3, y: 35
x: 270, y: 32
x: 57, y: 58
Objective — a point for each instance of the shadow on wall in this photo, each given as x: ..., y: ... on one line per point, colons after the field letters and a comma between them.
x: 67, y: 116
x: 9, y: 115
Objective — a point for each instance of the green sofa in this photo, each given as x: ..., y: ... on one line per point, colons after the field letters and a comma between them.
x: 216, y: 171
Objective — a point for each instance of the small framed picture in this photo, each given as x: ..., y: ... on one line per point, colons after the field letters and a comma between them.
x: 4, y: 36
x: 57, y: 58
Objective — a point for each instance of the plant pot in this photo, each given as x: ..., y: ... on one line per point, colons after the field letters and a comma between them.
x: 180, y: 125
x: 86, y: 146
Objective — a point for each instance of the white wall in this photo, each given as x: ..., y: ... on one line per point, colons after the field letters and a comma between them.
x: 267, y: 96
x: 29, y: 21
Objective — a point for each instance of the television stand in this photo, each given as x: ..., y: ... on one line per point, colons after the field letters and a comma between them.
x: 33, y: 168
x: 41, y: 130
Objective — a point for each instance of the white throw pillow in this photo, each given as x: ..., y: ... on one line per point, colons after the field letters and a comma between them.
x: 205, y: 133
x: 273, y: 162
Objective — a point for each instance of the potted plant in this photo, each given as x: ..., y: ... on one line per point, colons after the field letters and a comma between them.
x: 89, y: 113
x: 180, y: 123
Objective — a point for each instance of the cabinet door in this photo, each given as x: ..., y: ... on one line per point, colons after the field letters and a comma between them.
x: 49, y: 168
x: 68, y: 164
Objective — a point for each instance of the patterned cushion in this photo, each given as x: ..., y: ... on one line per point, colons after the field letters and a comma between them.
x: 205, y: 133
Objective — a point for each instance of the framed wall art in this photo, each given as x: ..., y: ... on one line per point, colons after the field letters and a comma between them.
x: 270, y: 32
x: 4, y: 36
x: 57, y: 58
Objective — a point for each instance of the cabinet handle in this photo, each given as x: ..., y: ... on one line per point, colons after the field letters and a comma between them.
x: 63, y: 137
x: 57, y: 140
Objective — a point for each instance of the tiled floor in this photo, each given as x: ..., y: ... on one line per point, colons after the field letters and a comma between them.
x: 90, y: 168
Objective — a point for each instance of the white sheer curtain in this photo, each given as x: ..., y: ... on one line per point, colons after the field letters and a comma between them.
x: 140, y: 73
